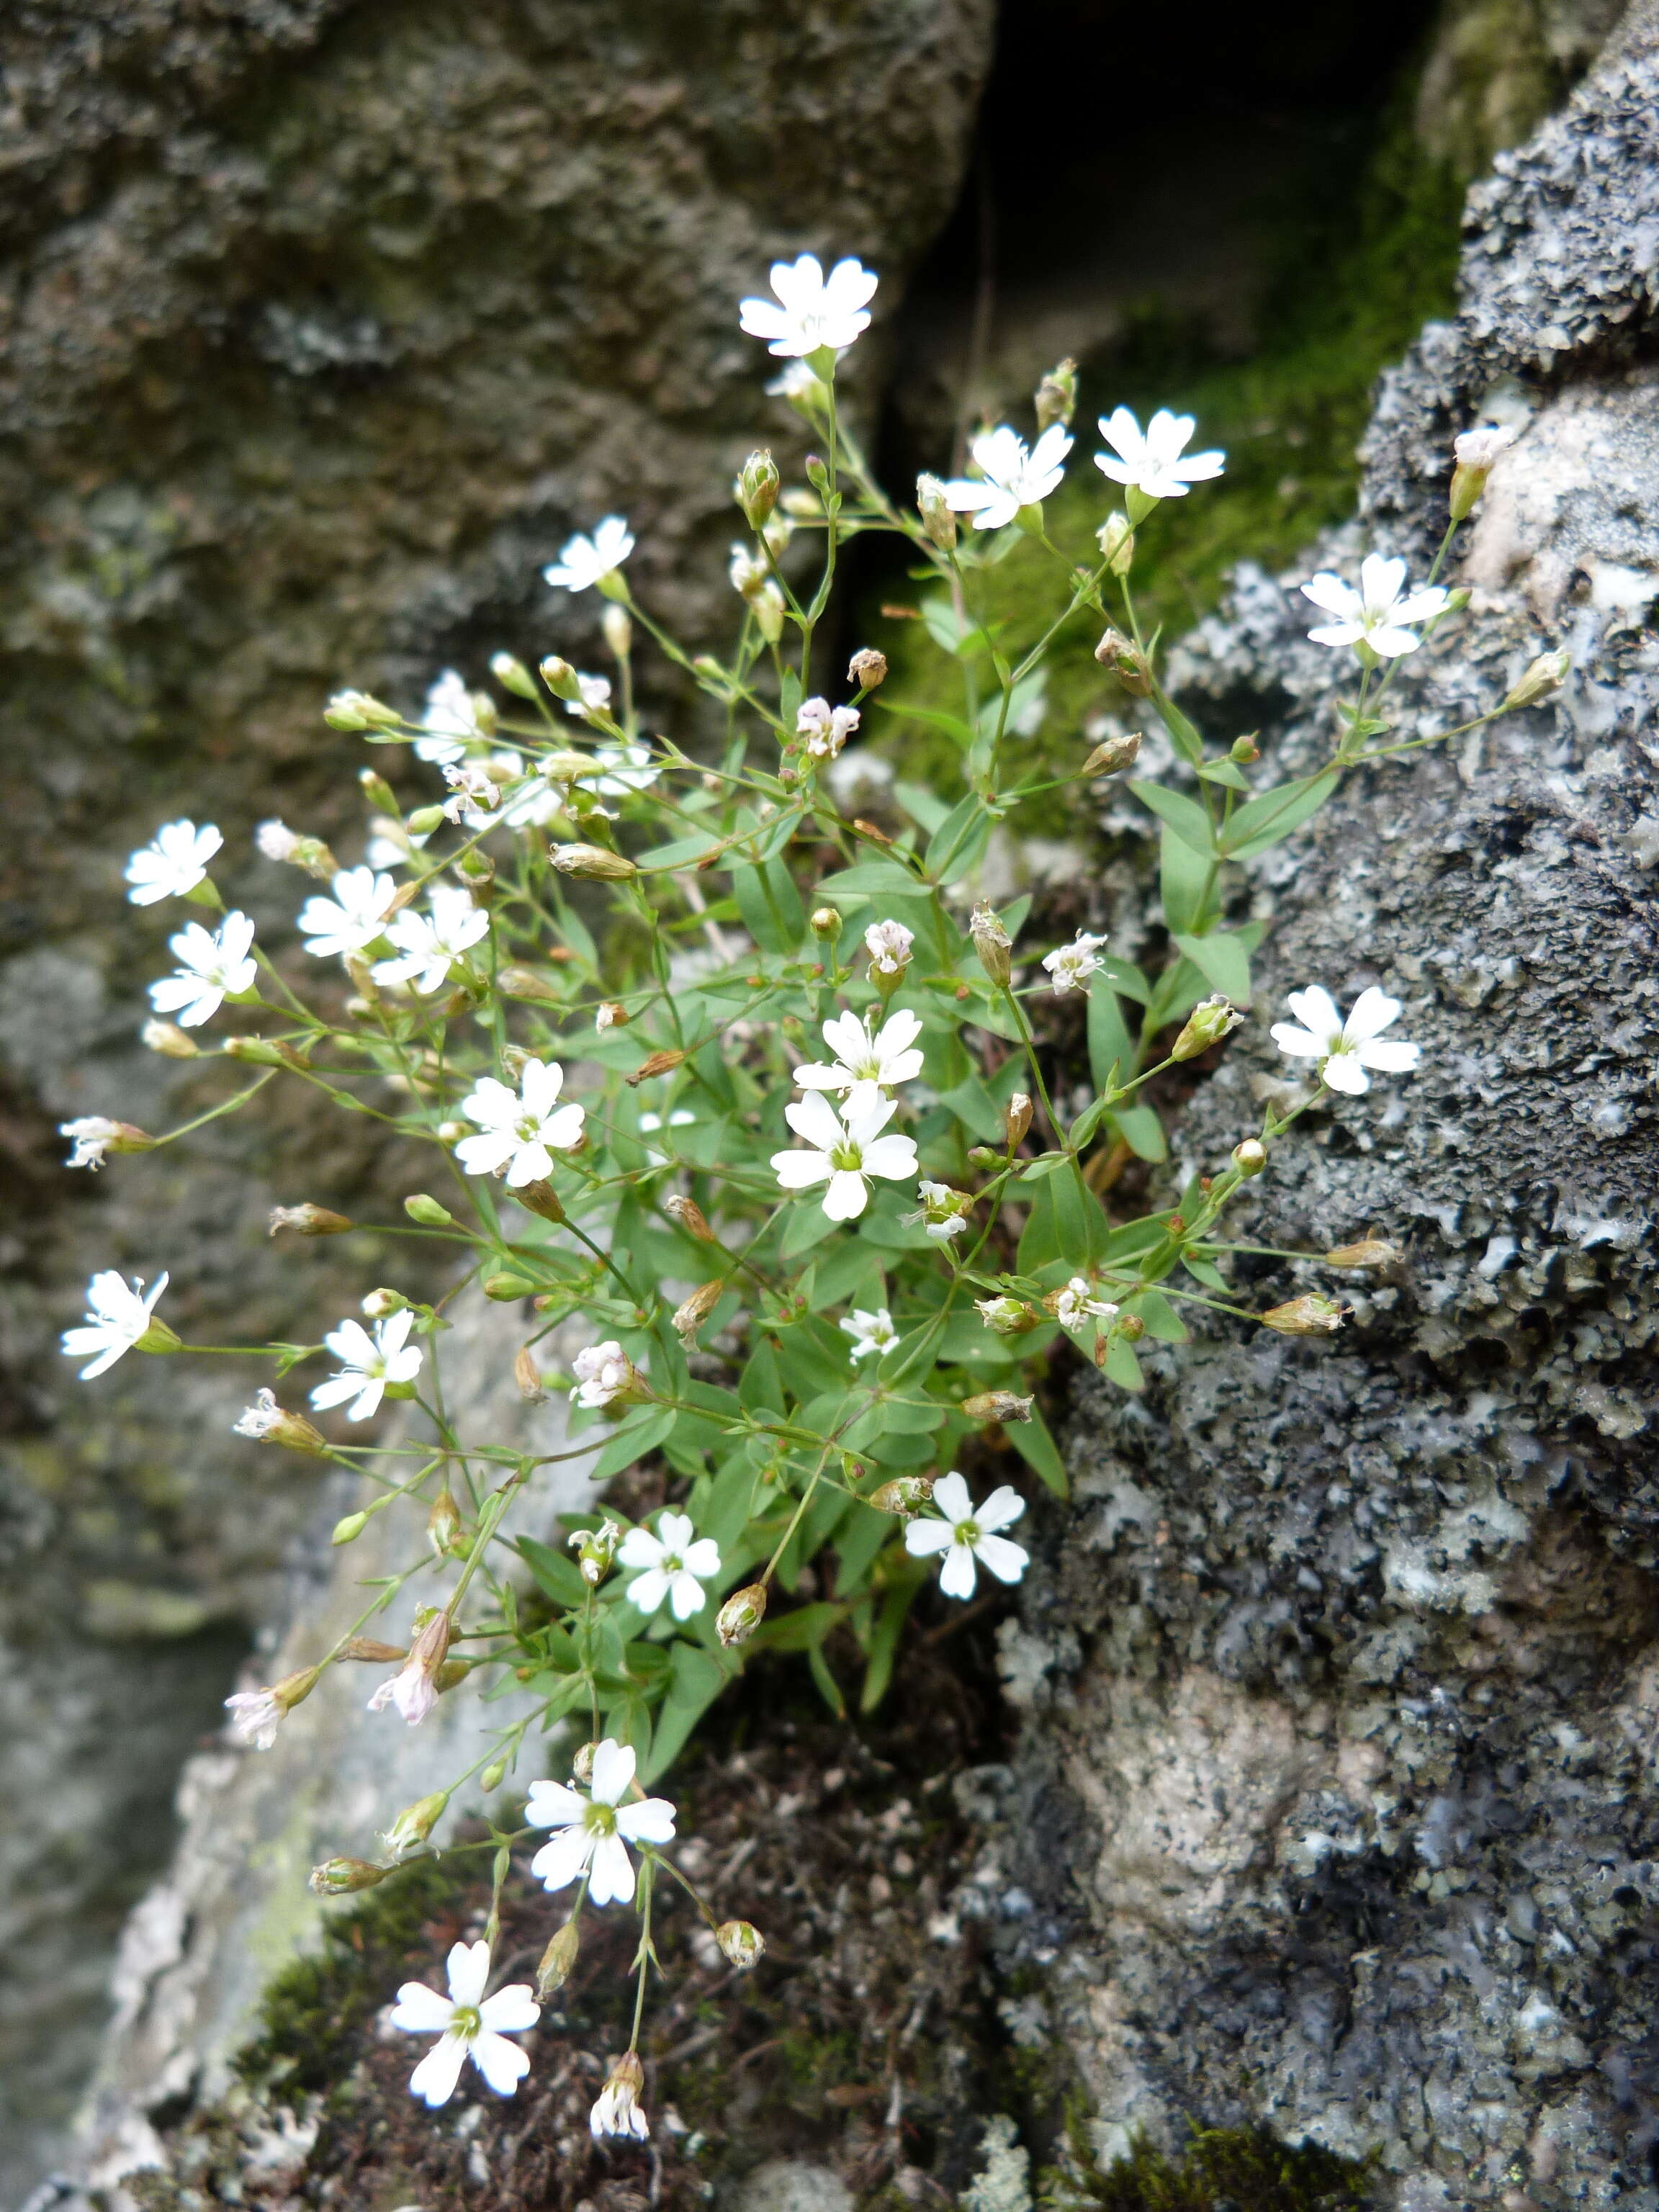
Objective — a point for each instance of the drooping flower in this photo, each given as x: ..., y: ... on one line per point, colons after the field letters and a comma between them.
x: 1479, y: 448
x: 1154, y: 461
x: 866, y: 1066
x: 255, y: 1717
x: 870, y: 1332
x: 266, y: 1422
x: 1072, y: 965
x: 118, y: 1320
x: 585, y: 561
x: 452, y: 721
x: 604, y: 1374
x: 94, y: 1134
x: 888, y: 944
x: 843, y: 1154
x: 594, y: 1831
x: 593, y: 697
x: 810, y: 310
x: 1074, y: 1304
x: 468, y: 2024
x: 1374, y: 618
x: 672, y: 1565
x: 519, y: 1130
x: 173, y: 862
x: 353, y: 918
x: 825, y: 729
x: 430, y: 945
x: 1347, y: 1050
x: 616, y: 2110
x: 368, y: 1363
x: 966, y: 1534
x: 214, y: 965
x: 1012, y: 475
x: 944, y: 1213
x: 414, y: 1688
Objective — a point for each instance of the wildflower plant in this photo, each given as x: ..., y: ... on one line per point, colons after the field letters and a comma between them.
x: 725, y: 1086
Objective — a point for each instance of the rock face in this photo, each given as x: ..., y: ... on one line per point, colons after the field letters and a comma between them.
x: 325, y: 324
x: 1339, y: 1783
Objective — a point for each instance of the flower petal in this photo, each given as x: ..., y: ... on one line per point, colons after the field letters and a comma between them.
x: 511, y: 2010
x: 613, y: 1772
x: 562, y: 1857
x: 1006, y: 1561
x: 502, y: 2064
x: 434, y: 2080
x: 551, y: 1805
x: 847, y: 1197
x: 1373, y: 1011
x: 1004, y: 1506
x: 469, y: 1970
x: 924, y: 1537
x: 952, y: 1497
x: 957, y: 1577
x: 814, y: 1118
x: 650, y: 1821
x: 613, y: 1872
x: 421, y: 2011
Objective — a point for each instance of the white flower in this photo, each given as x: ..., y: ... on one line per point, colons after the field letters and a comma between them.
x: 1374, y: 616
x: 943, y: 1211
x: 812, y: 310
x: 595, y: 1831
x: 628, y: 767
x: 888, y: 944
x: 586, y: 561
x: 825, y: 729
x: 604, y: 1373
x: 255, y: 1717
x: 616, y: 2110
x: 429, y: 945
x: 1479, y: 448
x: 870, y: 1332
x: 1346, y: 1049
x: 260, y: 1417
x: 1072, y: 965
x: 117, y: 1316
x: 369, y: 1363
x: 843, y: 1154
x: 1013, y: 477
x: 353, y: 918
x: 520, y: 1130
x: 276, y: 841
x: 1077, y: 1304
x: 595, y: 697
x: 173, y: 862
x: 213, y: 965
x: 469, y: 2025
x: 450, y: 721
x: 749, y: 577
x: 93, y: 1135
x: 1152, y: 461
x: 796, y: 384
x: 866, y: 1065
x: 676, y: 1564
x: 474, y: 792
x: 967, y: 1533
x: 414, y: 1688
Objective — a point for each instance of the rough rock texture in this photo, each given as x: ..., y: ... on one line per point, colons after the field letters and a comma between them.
x: 324, y: 323
x: 1338, y: 1799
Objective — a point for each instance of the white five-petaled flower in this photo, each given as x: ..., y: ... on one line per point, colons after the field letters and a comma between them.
x: 429, y: 946
x: 672, y: 1566
x: 255, y: 1717
x: 519, y: 1130
x: 214, y: 965
x: 1072, y: 965
x: 468, y: 2024
x: 810, y: 310
x: 616, y: 2109
x: 118, y: 1318
x: 966, y: 1532
x: 1013, y: 477
x: 1154, y: 462
x: 888, y: 944
x: 825, y: 729
x: 353, y: 918
x: 843, y: 1154
x: 866, y: 1065
x: 368, y: 1363
x: 586, y: 561
x: 450, y: 721
x: 604, y: 1373
x: 870, y: 1332
x: 173, y: 862
x: 92, y: 1135
x: 1076, y: 1303
x: 594, y: 1831
x: 1374, y: 618
x: 944, y: 1213
x: 1345, y: 1051
x: 1479, y: 448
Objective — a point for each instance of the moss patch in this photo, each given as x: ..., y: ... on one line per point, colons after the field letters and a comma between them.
x: 1222, y: 2170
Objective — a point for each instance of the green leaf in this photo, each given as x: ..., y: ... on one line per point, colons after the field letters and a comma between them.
x: 1223, y: 771
x: 1045, y: 1165
x: 798, y: 1629
x: 1276, y: 813
x: 1184, y: 881
x: 1184, y: 815
x: 683, y: 853
x: 889, y: 1626
x: 1184, y: 737
x: 696, y: 1679
x: 1142, y: 1130
x: 875, y: 877
x: 1222, y: 960
x: 924, y: 807
x: 1162, y: 1320
x: 1125, y: 978
x: 1121, y: 1366
x: 952, y: 724
x: 828, y: 1688
x: 959, y: 839
x: 858, y: 1539
x: 770, y: 906
x: 1035, y: 1445
x: 557, y: 1572
x: 1110, y: 1043
x: 641, y: 1431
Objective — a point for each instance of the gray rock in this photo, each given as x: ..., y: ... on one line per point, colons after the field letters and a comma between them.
x: 792, y: 2184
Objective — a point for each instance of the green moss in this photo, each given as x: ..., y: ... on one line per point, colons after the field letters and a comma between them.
x: 1222, y: 2170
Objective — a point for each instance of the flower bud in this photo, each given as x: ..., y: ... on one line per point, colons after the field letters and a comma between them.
x: 997, y: 1406
x: 1369, y: 1252
x: 379, y: 1305
x: 756, y: 489
x: 342, y: 1877
x: 1244, y: 753
x: 934, y: 509
x: 310, y: 1220
x: 264, y: 1052
x: 372, y: 1650
x: 528, y: 1376
x: 1474, y: 455
x: 1006, y: 1316
x: 506, y: 1286
x: 415, y: 1823
x: 618, y: 627
x: 582, y: 1766
x: 1251, y: 1157
x: 991, y: 943
x: 493, y: 1776
x: 743, y: 1944
x: 1112, y: 756
x: 427, y: 1211
x: 377, y: 792
x: 867, y: 668
x: 1117, y: 540
x: 561, y: 679
x: 742, y: 1615
x: 690, y: 1315
x: 611, y: 1015
x: 169, y: 1040
x: 1130, y: 1327
x: 826, y: 922
x: 1056, y: 395
x: 1126, y: 661
x: 1312, y: 1315
x: 359, y: 710
x: 595, y: 863
x: 515, y: 982
x: 557, y: 1961
x: 512, y: 676
x: 348, y: 1527
x: 443, y: 1523
x: 1016, y: 1121
x: 982, y: 1156
x: 1546, y: 674
x: 1210, y: 1021
x: 655, y: 1063
x: 906, y: 1494
x: 541, y: 1198
x: 690, y: 1218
